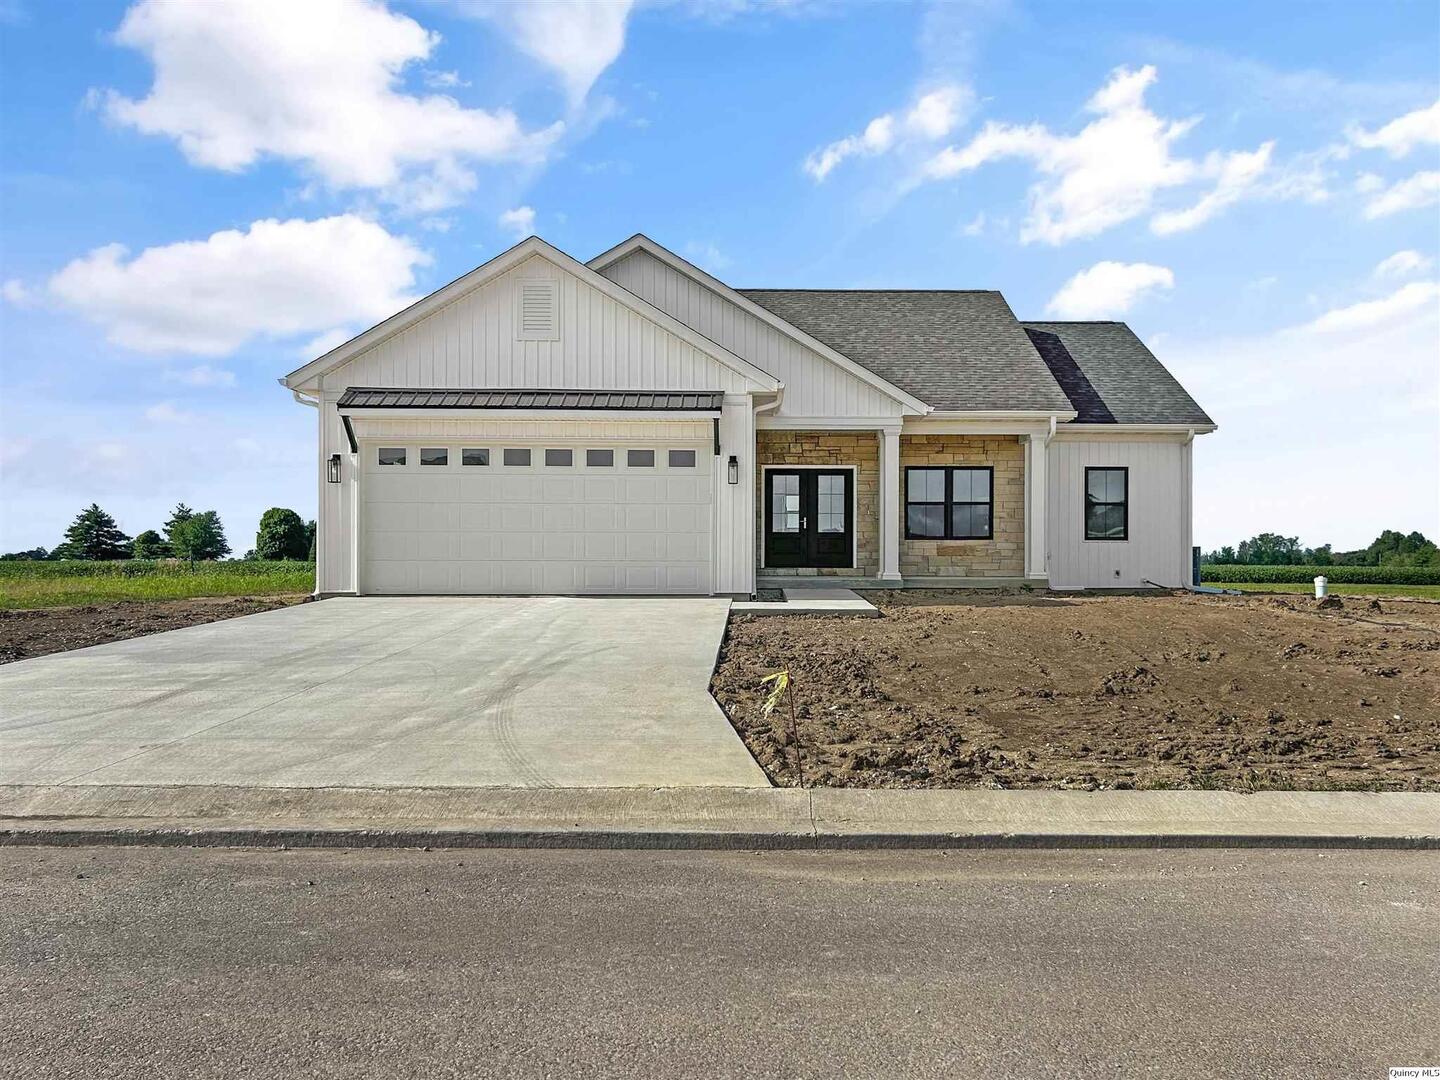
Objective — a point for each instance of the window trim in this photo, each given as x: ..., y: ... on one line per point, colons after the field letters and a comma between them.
x: 948, y: 504
x: 1124, y: 505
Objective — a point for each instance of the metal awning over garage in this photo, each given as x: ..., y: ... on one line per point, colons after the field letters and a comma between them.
x: 365, y: 397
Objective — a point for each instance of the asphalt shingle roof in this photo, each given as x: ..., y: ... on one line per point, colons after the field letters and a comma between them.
x: 951, y: 349
x: 369, y: 397
x: 1110, y: 376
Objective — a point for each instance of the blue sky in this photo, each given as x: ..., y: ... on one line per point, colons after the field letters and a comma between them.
x: 196, y: 198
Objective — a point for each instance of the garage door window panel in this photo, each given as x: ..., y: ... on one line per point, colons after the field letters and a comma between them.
x: 434, y: 455
x: 599, y: 459
x: 473, y: 456
x: 559, y: 459
x: 681, y: 459
x: 390, y: 455
x: 640, y: 459
x: 517, y: 458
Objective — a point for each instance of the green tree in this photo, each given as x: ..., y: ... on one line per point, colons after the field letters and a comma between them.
x: 36, y: 554
x: 151, y: 545
x: 310, y: 530
x: 178, y: 517
x: 94, y: 535
x: 281, y: 535
x: 200, y: 537
x: 1270, y: 549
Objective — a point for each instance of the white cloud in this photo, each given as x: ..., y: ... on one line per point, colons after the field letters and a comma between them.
x: 1403, y: 134
x: 1108, y: 289
x: 1412, y: 193
x: 1402, y: 264
x: 203, y: 375
x: 1115, y: 167
x: 316, y: 83
x: 931, y: 116
x: 444, y: 80
x: 1316, y: 383
x: 17, y: 294
x: 707, y: 256
x: 1368, y: 314
x: 975, y: 226
x: 322, y: 343
x: 576, y: 39
x: 1236, y: 176
x: 165, y: 412
x: 520, y: 222
x: 1367, y: 182
x: 274, y: 279
x: 1106, y: 174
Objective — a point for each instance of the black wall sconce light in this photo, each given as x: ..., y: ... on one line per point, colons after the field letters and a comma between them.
x: 733, y: 470
x: 332, y: 469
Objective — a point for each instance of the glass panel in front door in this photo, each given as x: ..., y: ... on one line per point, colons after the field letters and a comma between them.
x: 830, y: 503
x: 785, y: 503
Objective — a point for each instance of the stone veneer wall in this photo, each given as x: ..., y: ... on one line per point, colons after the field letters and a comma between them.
x: 861, y: 449
x: 1002, y: 556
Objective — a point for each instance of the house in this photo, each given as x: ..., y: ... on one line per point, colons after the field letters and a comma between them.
x: 634, y: 425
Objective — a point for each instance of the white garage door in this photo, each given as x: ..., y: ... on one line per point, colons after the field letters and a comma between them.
x: 527, y: 517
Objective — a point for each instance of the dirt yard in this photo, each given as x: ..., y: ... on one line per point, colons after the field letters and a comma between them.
x: 24, y: 634
x: 1054, y: 691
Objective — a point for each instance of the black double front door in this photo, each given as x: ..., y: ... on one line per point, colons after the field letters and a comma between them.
x: 807, y: 517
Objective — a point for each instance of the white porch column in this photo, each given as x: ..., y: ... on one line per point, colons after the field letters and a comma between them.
x: 890, y: 503
x: 1036, y: 564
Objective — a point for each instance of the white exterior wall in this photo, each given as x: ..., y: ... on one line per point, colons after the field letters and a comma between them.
x: 814, y: 386
x: 735, y: 503
x: 335, y: 524
x: 602, y: 345
x: 1158, y: 548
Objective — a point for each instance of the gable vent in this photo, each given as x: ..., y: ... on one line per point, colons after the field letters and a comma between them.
x: 537, y: 310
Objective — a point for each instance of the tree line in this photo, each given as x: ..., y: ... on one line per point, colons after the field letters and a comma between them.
x: 192, y: 535
x: 1390, y: 548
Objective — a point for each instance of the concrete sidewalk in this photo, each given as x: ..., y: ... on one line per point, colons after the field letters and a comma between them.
x: 712, y: 818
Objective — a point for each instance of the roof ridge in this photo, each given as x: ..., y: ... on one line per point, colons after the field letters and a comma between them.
x: 751, y: 288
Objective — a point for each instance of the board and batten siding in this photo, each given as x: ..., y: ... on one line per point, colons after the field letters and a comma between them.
x: 814, y: 386
x: 1158, y: 546
x: 475, y: 342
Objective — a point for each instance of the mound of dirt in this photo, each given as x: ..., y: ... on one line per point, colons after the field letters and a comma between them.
x: 24, y: 634
x: 1055, y: 691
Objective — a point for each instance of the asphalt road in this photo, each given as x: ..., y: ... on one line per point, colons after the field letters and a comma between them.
x: 199, y: 963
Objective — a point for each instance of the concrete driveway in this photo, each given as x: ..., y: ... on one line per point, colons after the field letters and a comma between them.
x: 388, y: 692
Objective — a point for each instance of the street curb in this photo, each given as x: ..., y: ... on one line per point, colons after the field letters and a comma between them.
x: 155, y: 835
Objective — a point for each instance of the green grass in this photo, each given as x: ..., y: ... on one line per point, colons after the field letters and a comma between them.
x: 1418, y: 592
x: 53, y: 584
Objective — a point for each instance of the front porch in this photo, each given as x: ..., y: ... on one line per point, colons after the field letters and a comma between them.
x: 907, y: 523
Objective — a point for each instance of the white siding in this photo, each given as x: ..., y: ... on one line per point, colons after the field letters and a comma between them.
x: 1159, y: 509
x: 474, y: 342
x: 814, y: 386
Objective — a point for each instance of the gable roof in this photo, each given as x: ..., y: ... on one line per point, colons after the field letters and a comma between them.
x: 505, y: 261
x: 1111, y: 377
x: 641, y: 242
x: 958, y: 350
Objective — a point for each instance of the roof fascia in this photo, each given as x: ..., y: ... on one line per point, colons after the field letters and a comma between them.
x: 502, y: 263
x: 641, y: 242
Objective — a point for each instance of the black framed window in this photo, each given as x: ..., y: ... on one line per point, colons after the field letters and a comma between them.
x: 949, y: 503
x: 1107, y: 504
